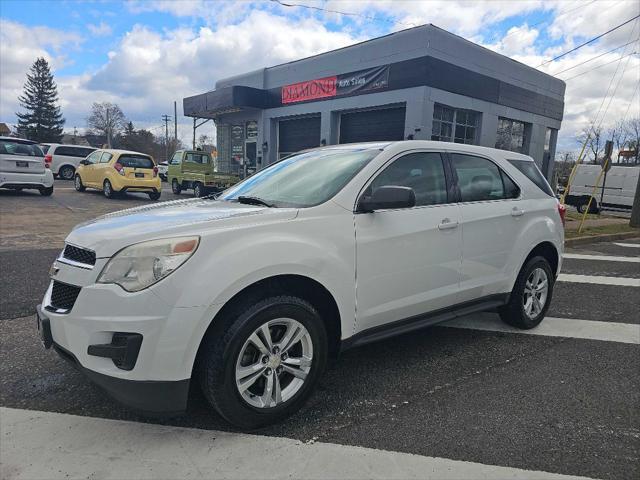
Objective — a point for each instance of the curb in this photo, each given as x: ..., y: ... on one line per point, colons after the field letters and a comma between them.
x: 605, y: 237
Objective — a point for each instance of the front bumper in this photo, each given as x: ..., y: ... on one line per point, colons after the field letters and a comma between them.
x: 165, y: 398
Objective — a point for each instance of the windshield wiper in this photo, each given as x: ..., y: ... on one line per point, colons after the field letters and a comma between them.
x: 254, y: 201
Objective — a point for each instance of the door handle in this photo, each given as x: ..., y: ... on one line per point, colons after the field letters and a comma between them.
x: 517, y: 212
x: 447, y: 224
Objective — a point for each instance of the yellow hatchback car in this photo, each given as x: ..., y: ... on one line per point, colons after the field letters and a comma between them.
x: 114, y: 171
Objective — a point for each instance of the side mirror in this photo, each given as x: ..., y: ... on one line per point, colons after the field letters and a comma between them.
x: 387, y: 197
x: 84, y: 162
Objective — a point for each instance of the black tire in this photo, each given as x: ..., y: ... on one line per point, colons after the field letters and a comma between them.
x: 66, y: 172
x: 107, y: 189
x: 514, y: 313
x: 46, y: 191
x: 78, y: 184
x: 198, y: 190
x: 224, y: 343
x: 154, y: 195
x: 176, y: 188
x: 582, y: 206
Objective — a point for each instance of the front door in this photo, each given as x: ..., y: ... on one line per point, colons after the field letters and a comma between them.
x: 408, y: 260
x: 89, y: 172
x: 492, y: 218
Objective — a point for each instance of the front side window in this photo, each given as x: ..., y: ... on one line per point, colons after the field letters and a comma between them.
x: 304, y: 180
x: 454, y: 124
x: 423, y: 172
x: 478, y: 178
x: 176, y: 159
x: 511, y: 135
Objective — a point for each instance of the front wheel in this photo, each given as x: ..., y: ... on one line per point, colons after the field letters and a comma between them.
x: 78, y: 184
x: 107, y: 189
x: 265, y: 363
x: 176, y: 188
x: 531, y: 295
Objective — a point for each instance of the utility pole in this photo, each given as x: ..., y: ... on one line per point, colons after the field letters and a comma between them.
x: 165, y: 119
x: 175, y: 122
x: 108, y: 128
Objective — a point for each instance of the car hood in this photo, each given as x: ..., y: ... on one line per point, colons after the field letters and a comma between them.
x: 109, y: 233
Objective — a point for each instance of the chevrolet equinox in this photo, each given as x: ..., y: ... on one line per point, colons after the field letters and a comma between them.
x: 251, y: 292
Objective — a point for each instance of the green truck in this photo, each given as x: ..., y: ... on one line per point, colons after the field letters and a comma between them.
x: 196, y: 169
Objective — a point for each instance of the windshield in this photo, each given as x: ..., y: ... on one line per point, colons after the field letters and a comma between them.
x: 303, y: 180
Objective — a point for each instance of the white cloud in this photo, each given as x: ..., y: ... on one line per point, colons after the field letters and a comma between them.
x: 100, y: 30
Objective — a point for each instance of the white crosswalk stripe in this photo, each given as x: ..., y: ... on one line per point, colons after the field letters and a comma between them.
x: 604, y: 258
x: 38, y: 445
x: 628, y: 245
x: 599, y: 280
x: 555, y: 327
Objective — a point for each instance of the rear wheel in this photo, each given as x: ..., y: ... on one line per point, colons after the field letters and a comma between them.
x: 154, y: 195
x: 531, y: 295
x: 264, y: 361
x: 582, y: 206
x: 176, y: 188
x: 46, y: 191
x: 107, y: 189
x: 67, y: 172
x: 78, y: 184
x: 198, y: 189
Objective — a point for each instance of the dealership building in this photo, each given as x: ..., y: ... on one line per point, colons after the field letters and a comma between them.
x: 421, y: 83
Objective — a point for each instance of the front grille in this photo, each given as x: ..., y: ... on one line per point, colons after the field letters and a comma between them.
x: 63, y: 296
x: 80, y: 255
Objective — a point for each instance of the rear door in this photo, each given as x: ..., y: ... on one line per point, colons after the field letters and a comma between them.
x: 491, y: 211
x: 20, y: 157
x: 137, y: 166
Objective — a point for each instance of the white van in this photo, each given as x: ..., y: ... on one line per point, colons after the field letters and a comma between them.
x: 616, y: 191
x: 64, y: 159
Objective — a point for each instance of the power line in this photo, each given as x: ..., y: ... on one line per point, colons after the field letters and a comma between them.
x: 596, y: 57
x: 348, y: 14
x: 599, y: 66
x: 588, y: 41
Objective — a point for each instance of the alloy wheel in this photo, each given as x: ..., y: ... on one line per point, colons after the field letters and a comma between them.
x: 274, y: 363
x: 536, y: 291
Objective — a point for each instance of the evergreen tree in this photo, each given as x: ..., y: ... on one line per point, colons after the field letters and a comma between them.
x: 42, y: 121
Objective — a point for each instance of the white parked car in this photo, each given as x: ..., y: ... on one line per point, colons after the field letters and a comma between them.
x: 252, y: 292
x: 64, y: 159
x: 163, y: 168
x: 22, y: 166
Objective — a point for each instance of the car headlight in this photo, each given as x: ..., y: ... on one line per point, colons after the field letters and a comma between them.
x: 139, y: 266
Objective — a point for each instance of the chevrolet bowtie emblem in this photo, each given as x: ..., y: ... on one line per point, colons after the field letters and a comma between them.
x: 53, y: 271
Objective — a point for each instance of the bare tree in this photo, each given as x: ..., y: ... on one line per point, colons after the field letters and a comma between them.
x: 595, y: 142
x: 106, y: 119
x: 632, y: 129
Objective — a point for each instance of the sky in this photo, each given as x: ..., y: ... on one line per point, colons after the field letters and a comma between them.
x: 144, y: 54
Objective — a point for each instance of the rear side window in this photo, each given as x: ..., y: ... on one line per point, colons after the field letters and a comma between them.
x: 201, y: 158
x: 44, y: 148
x: 423, y: 172
x: 136, y: 161
x: 478, y: 178
x: 106, y: 157
x: 10, y: 147
x: 530, y: 170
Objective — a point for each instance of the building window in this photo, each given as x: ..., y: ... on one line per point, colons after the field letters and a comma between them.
x: 454, y: 125
x: 511, y: 135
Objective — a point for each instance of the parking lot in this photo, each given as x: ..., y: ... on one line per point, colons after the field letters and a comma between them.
x: 564, y: 398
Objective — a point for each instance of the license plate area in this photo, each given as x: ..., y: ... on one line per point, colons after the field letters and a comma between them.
x: 139, y: 175
x: 22, y: 164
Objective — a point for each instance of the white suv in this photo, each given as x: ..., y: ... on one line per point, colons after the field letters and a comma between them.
x: 251, y: 292
x: 64, y: 159
x: 22, y: 166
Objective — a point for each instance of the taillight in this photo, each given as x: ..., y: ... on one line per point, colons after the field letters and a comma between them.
x: 562, y: 210
x: 119, y: 168
x: 155, y: 172
x: 47, y: 160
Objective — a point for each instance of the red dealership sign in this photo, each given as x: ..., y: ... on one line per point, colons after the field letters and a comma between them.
x: 310, y: 90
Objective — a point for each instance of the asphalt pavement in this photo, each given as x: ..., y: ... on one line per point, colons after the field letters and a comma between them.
x: 560, y: 404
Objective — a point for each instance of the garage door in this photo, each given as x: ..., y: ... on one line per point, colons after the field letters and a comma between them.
x: 372, y: 125
x: 298, y: 134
